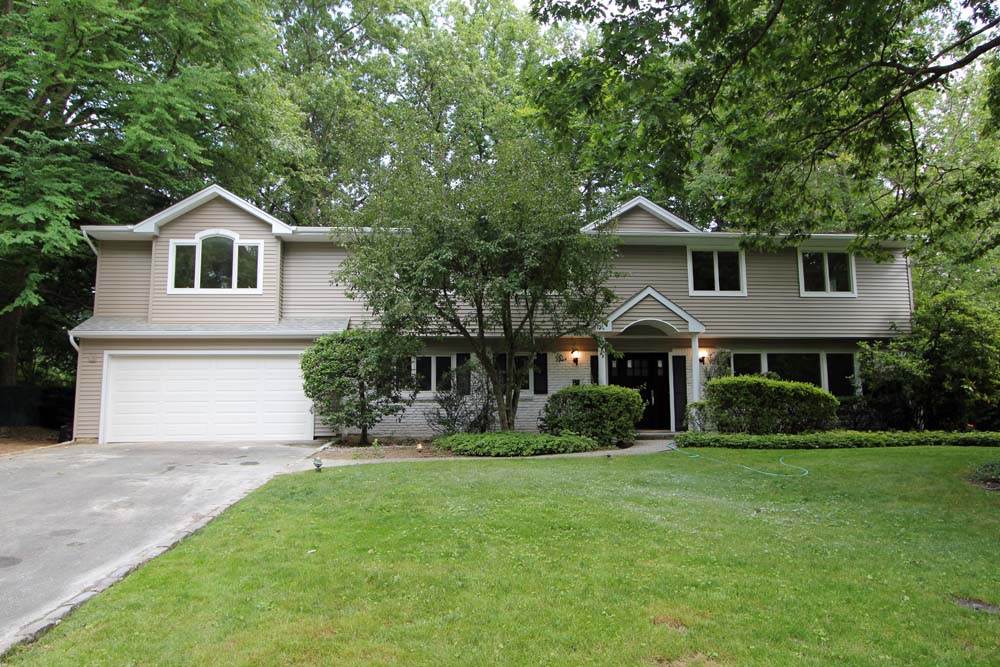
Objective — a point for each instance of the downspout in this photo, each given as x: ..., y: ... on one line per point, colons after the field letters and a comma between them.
x: 73, y: 343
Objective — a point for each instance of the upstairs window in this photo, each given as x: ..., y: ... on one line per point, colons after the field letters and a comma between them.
x: 716, y: 273
x: 826, y: 274
x: 215, y: 260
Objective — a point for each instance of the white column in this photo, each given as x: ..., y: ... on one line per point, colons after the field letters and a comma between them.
x: 695, y: 370
x: 602, y: 367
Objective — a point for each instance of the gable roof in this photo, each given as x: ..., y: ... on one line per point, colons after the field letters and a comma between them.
x: 153, y: 223
x: 693, y: 325
x: 658, y: 212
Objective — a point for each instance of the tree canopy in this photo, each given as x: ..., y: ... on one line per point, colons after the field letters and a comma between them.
x: 791, y: 116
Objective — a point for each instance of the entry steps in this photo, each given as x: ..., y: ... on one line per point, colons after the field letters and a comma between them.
x: 655, y: 435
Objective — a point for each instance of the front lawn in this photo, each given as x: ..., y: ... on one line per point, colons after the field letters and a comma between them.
x: 645, y: 560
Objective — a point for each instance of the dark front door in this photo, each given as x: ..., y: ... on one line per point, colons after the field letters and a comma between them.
x: 647, y: 372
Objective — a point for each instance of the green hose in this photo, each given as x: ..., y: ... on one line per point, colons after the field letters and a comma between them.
x: 739, y: 465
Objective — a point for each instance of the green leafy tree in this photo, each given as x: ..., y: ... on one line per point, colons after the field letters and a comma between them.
x: 359, y: 377
x: 110, y: 109
x: 475, y: 215
x: 791, y: 116
x: 943, y: 375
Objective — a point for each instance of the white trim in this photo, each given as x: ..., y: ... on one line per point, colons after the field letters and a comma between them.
x: 666, y: 327
x: 304, y: 334
x: 823, y: 352
x: 152, y: 224
x: 670, y: 385
x: 102, y: 427
x: 694, y: 326
x: 695, y: 369
x: 715, y: 265
x: 826, y: 275
x: 658, y: 212
x: 197, y: 243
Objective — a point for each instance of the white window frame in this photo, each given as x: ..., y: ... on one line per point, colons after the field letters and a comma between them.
x: 826, y: 275
x: 715, y: 265
x: 196, y: 242
x: 823, y: 371
x: 425, y: 394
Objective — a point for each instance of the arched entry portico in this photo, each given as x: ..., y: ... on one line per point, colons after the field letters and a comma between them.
x: 658, y: 342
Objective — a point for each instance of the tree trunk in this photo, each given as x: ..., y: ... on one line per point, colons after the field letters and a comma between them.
x: 364, y: 434
x: 9, y: 323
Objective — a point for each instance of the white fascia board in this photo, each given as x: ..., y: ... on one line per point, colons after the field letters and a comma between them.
x: 694, y: 326
x: 655, y: 210
x: 153, y: 223
x: 198, y: 334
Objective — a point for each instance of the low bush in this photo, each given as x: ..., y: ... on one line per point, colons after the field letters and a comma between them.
x: 697, y: 416
x: 988, y: 473
x: 606, y: 413
x: 755, y: 404
x: 840, y: 439
x: 512, y: 443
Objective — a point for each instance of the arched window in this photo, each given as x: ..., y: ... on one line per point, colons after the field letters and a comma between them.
x: 215, y: 260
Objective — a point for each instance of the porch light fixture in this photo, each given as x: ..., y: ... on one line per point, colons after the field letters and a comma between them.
x: 702, y: 356
x: 575, y: 354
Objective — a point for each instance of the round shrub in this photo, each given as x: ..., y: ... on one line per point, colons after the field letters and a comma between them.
x: 754, y: 404
x: 512, y: 443
x: 606, y: 413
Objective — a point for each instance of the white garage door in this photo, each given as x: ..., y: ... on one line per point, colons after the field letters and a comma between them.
x: 205, y: 397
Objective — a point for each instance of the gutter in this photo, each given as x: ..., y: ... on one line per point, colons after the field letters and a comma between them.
x: 86, y: 237
x: 72, y: 342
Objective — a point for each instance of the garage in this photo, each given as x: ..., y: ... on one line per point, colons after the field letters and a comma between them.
x: 204, y: 396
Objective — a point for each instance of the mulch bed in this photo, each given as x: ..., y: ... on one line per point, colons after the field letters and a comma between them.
x: 17, y: 439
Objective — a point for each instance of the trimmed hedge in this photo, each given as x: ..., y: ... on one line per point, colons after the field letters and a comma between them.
x: 606, y: 413
x: 840, y: 439
x: 512, y: 443
x: 755, y: 404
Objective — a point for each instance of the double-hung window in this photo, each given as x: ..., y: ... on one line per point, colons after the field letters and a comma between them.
x: 826, y: 274
x: 716, y: 273
x: 215, y: 260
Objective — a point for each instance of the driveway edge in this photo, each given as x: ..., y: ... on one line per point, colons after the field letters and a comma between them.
x: 35, y: 629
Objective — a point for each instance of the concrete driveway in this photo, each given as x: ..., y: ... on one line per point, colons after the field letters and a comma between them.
x: 74, y: 519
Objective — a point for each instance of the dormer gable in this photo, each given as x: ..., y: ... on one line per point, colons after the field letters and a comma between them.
x: 640, y: 215
x: 152, y: 224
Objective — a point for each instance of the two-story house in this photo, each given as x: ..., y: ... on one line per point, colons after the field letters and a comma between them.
x: 201, y: 313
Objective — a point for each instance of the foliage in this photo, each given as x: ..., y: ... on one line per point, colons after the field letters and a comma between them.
x: 606, y: 413
x: 758, y: 405
x: 359, y: 377
x: 839, y: 439
x: 466, y: 406
x: 777, y: 115
x: 472, y: 226
x: 945, y: 374
x: 513, y: 443
x: 987, y: 473
x: 696, y: 418
x: 112, y: 109
x: 719, y: 365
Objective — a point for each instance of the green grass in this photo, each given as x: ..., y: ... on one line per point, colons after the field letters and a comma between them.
x: 633, y: 561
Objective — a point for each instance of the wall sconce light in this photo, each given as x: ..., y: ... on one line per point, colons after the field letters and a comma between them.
x: 702, y: 356
x: 575, y: 355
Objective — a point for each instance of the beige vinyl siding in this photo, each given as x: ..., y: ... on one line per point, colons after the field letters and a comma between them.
x: 90, y: 368
x: 208, y: 306
x: 649, y: 309
x: 122, y: 285
x: 306, y: 283
x: 640, y: 220
x: 773, y: 306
